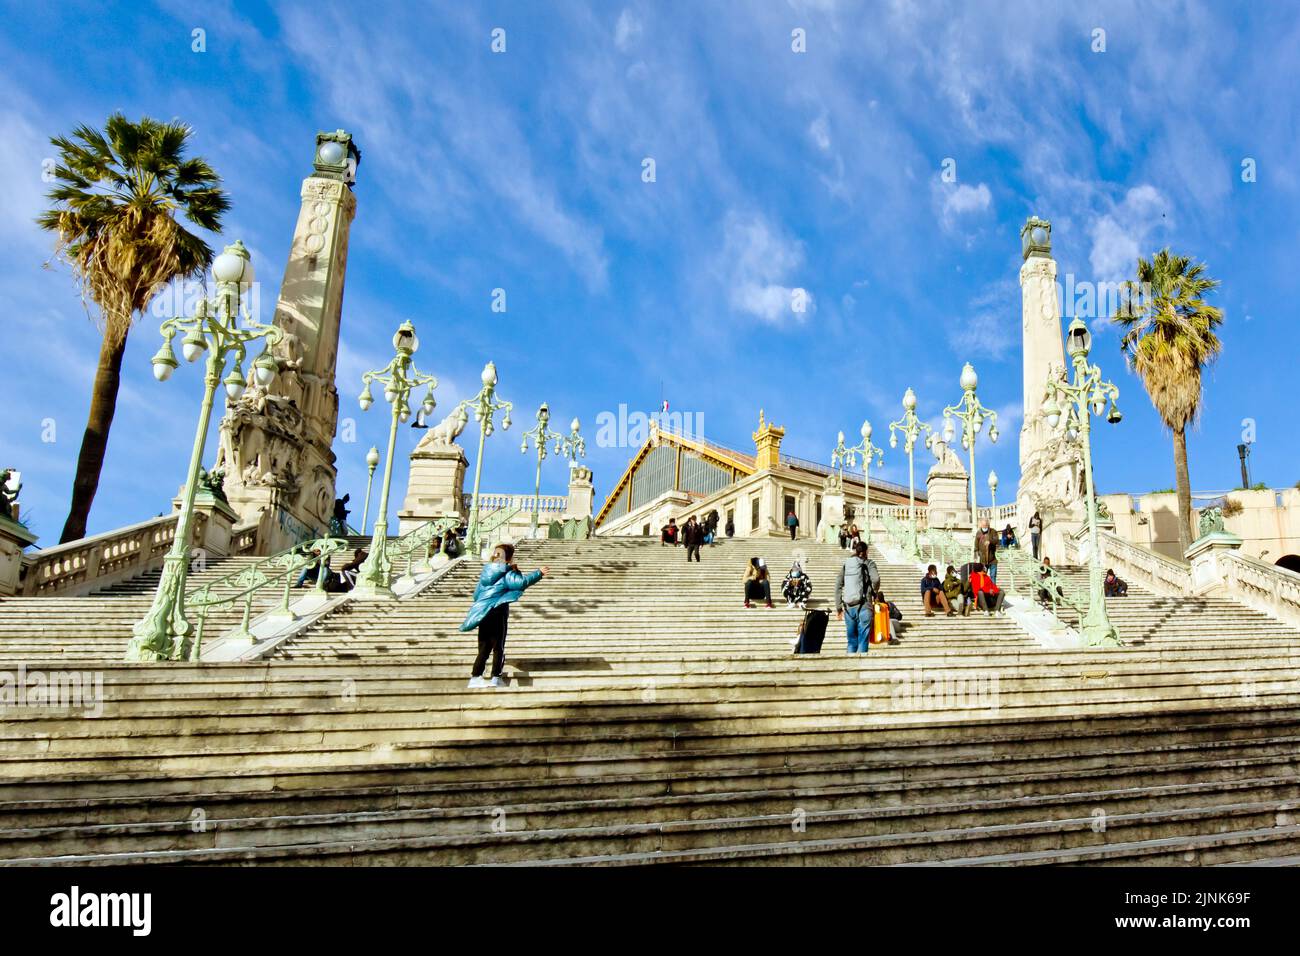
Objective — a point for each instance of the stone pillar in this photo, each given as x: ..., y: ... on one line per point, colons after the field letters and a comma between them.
x: 276, y: 443
x: 1204, y: 555
x: 13, y: 539
x: 1050, y: 469
x: 217, y: 524
x: 582, y: 493
x: 435, y: 487
x: 947, y: 492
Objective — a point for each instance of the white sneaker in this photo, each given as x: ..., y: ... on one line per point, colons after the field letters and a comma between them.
x: 496, y: 682
x: 477, y: 682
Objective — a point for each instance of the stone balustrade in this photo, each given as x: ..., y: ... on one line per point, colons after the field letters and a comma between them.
x: 80, y: 567
x: 1264, y: 587
x: 488, y: 503
x: 1155, y: 572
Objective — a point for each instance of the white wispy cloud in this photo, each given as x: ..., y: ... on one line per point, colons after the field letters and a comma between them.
x: 758, y: 263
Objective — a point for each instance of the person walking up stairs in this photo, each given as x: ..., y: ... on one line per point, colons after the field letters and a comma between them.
x: 499, y: 586
x: 855, y: 587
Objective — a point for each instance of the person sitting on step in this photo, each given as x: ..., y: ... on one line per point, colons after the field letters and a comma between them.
x: 932, y: 594
x: 1049, y: 590
x: 988, y: 597
x: 1114, y: 585
x: 952, y: 588
x: 895, y: 615
x: 758, y: 586
x: 668, y: 533
x: 797, y: 587
x: 345, y: 579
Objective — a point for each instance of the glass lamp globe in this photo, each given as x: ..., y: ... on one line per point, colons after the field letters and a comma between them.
x: 405, y: 339
x: 372, y: 457
x: 164, y: 362
x: 233, y: 265
x: 193, y: 345
x: 505, y: 422
x: 893, y: 440
x: 366, y: 399
x: 866, y: 430
x: 909, y: 400
x: 489, y: 376
x: 332, y: 152
x: 573, y: 426
x: 948, y: 431
x: 841, y: 437
x: 264, y: 370
x: 993, y: 434
x: 390, y: 394
x: 969, y: 380
x: 235, y: 383
x: 523, y: 447
x: 993, y: 480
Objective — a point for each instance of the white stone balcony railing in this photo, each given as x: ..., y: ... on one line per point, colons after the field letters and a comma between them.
x: 999, y: 517
x: 80, y: 567
x: 1264, y: 587
x: 488, y: 503
x: 1132, y: 562
x: 900, y: 513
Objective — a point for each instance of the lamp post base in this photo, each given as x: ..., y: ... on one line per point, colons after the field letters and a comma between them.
x: 164, y: 634
x: 368, y: 592
x: 1098, y: 631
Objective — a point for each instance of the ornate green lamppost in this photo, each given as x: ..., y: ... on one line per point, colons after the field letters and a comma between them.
x: 911, y: 429
x: 399, y: 377
x: 972, y: 415
x: 372, y: 462
x: 841, y: 453
x: 164, y: 633
x: 485, y: 405
x: 571, y: 446
x: 1077, y: 402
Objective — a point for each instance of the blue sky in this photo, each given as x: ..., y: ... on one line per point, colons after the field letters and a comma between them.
x: 774, y: 171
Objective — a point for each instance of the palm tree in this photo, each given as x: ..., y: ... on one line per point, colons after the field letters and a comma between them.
x: 114, y: 210
x: 1168, y: 340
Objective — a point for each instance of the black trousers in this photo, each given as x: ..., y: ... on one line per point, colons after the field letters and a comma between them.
x: 692, y: 549
x: 492, y: 640
x: 793, y: 529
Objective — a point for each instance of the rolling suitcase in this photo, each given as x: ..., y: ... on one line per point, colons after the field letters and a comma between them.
x: 879, y: 622
x: 812, y: 632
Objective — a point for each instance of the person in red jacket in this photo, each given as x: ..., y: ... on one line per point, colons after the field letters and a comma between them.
x: 988, y: 597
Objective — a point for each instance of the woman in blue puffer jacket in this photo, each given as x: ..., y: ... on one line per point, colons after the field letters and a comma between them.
x: 499, y: 586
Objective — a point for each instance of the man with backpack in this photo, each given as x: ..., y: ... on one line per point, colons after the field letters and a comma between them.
x: 855, y: 588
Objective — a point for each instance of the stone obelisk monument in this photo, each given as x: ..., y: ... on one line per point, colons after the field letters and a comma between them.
x: 276, y: 443
x: 1049, y: 463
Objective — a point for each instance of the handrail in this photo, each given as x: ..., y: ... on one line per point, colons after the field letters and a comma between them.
x: 247, y: 581
x: 1042, y: 577
x: 494, y: 522
x: 420, y: 538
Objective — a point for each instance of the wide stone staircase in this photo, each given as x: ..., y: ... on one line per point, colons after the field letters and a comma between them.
x: 97, y: 627
x: 648, y: 718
